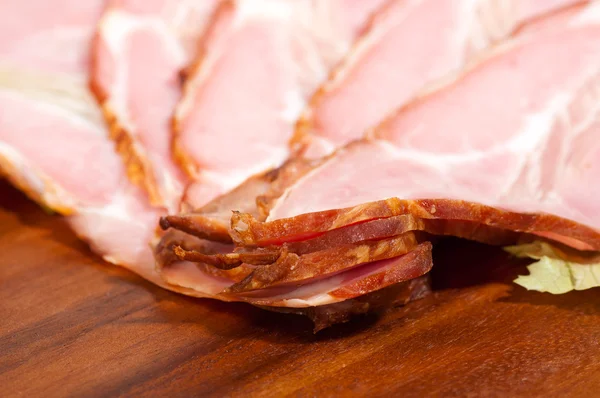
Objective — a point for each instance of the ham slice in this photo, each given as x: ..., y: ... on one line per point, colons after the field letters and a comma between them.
x: 43, y: 94
x: 352, y: 283
x: 54, y: 143
x: 399, y: 294
x: 235, y: 122
x: 352, y: 279
x: 524, y: 158
x: 409, y: 45
x: 140, y: 49
x: 291, y: 268
x: 378, y: 221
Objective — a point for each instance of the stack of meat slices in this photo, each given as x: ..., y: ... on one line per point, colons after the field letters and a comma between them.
x: 216, y: 106
x: 513, y: 166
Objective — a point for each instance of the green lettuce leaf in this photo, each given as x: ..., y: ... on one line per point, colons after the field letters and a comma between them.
x: 553, y: 273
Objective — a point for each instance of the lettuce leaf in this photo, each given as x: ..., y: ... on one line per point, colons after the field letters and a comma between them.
x: 553, y: 273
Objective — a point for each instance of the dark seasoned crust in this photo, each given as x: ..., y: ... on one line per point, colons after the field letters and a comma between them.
x: 164, y: 254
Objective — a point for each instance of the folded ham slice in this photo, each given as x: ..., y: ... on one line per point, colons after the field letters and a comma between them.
x: 374, y: 267
x: 524, y: 158
x: 291, y: 268
x: 409, y: 44
x: 139, y: 51
x: 352, y: 283
x: 235, y: 122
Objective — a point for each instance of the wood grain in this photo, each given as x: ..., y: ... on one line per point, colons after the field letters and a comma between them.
x: 71, y: 325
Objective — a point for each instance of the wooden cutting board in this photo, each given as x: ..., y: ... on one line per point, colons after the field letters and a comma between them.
x: 71, y: 325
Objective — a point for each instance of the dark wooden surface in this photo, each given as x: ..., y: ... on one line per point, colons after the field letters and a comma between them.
x: 71, y: 325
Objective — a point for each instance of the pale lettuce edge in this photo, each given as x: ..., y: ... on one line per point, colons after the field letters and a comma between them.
x: 552, y: 274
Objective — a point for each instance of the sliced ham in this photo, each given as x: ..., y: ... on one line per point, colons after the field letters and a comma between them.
x: 119, y: 225
x: 410, y: 44
x: 140, y: 50
x: 291, y: 268
x: 53, y: 39
x: 531, y: 9
x: 355, y: 282
x: 298, y: 42
x: 352, y: 281
x: 254, y: 197
x: 53, y: 142
x: 235, y: 122
x: 384, y: 40
x: 533, y: 169
x: 380, y: 300
x: 380, y: 220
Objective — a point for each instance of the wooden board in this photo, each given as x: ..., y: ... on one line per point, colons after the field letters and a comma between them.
x: 71, y: 325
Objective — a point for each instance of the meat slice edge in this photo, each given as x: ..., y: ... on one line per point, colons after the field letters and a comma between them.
x: 139, y: 51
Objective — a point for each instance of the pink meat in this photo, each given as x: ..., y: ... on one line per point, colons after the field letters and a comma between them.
x: 53, y: 142
x: 234, y: 121
x: 30, y: 38
x: 518, y: 131
x: 141, y: 47
x: 529, y: 9
x: 411, y: 44
x: 54, y: 146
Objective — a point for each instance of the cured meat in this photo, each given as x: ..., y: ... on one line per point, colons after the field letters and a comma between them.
x: 321, y: 41
x: 409, y: 45
x: 372, y: 230
x: 293, y: 268
x: 391, y: 21
x: 54, y: 143
x: 212, y: 220
x: 56, y: 43
x: 346, y: 285
x: 186, y: 277
x: 140, y: 49
x: 252, y: 197
x: 44, y: 100
x: 235, y: 122
x: 399, y: 294
x: 363, y: 227
x: 533, y: 170
x: 119, y: 225
x: 529, y: 9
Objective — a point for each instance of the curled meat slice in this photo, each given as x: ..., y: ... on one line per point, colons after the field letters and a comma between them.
x: 293, y: 268
x: 352, y: 283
